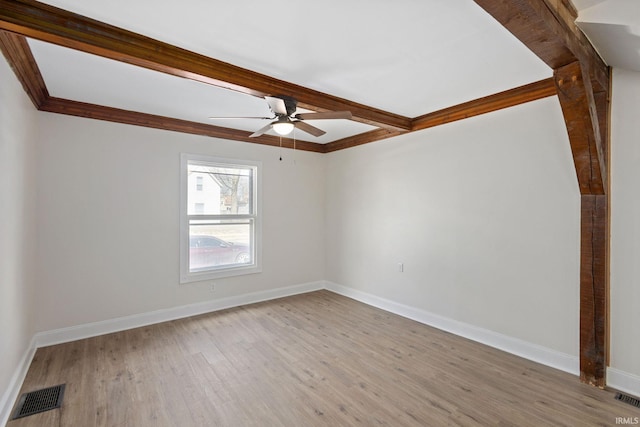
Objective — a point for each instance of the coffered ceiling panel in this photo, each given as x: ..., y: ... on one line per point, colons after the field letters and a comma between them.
x: 398, y: 66
x: 408, y: 57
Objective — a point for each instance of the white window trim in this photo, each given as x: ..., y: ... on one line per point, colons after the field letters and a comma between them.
x: 185, y: 275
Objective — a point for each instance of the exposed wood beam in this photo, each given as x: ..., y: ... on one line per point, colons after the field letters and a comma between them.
x: 363, y: 138
x: 54, y: 25
x: 47, y: 23
x: 566, y: 14
x: 547, y: 28
x: 533, y: 24
x: 19, y: 57
x: 509, y: 98
x: 582, y: 120
x: 92, y: 111
x: 602, y: 102
x: 519, y: 95
x: 527, y: 93
x: 587, y: 120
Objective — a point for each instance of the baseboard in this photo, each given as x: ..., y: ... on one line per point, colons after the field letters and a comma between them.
x: 536, y: 353
x: 58, y: 336
x: 11, y: 394
x: 623, y: 381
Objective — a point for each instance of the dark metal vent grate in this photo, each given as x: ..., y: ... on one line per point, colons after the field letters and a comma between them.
x: 628, y: 399
x: 39, y: 401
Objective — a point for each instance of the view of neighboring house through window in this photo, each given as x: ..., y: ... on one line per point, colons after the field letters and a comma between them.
x: 220, y: 221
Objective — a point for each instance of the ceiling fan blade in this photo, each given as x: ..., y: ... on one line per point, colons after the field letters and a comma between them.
x: 306, y: 127
x: 261, y: 131
x: 323, y: 116
x: 240, y: 118
x: 277, y: 105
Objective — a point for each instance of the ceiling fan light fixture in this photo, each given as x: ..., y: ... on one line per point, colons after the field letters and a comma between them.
x: 283, y: 127
x: 284, y: 119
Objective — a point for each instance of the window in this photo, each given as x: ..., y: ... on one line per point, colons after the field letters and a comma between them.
x: 220, y: 218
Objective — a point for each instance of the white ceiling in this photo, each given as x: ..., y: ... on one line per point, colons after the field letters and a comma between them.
x: 408, y: 57
x: 613, y: 26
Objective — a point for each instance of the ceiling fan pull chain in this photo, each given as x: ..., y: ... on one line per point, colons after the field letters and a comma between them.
x: 280, y: 147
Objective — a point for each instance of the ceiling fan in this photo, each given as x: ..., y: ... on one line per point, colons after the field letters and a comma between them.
x: 285, y: 119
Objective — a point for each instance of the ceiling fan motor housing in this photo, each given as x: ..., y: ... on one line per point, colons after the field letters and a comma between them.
x: 284, y: 109
x: 290, y: 103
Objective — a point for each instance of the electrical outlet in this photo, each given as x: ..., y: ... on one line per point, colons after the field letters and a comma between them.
x: 212, y: 286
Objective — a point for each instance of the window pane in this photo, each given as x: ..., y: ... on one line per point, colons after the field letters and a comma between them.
x: 214, y: 244
x: 221, y: 190
x: 219, y: 222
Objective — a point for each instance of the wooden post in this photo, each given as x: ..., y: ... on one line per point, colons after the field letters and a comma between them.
x: 582, y: 118
x: 593, y: 289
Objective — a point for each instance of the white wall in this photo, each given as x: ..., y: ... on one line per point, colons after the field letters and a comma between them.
x: 17, y: 254
x: 109, y: 215
x: 484, y: 213
x: 625, y: 224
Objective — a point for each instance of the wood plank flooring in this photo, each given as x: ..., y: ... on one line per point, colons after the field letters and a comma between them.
x: 317, y: 359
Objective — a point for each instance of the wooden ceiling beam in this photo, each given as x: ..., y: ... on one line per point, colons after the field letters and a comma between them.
x: 360, y: 139
x: 531, y: 22
x: 37, y: 20
x: 19, y: 57
x: 548, y: 29
x: 509, y: 98
x: 520, y: 95
x: 565, y: 13
x: 50, y: 24
x: 99, y: 112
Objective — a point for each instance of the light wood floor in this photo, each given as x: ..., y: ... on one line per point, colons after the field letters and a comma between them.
x: 314, y: 359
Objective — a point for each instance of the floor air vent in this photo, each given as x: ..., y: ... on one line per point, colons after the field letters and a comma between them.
x: 39, y: 401
x: 628, y: 399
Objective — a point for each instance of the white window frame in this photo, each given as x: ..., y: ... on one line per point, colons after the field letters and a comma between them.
x: 187, y: 276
